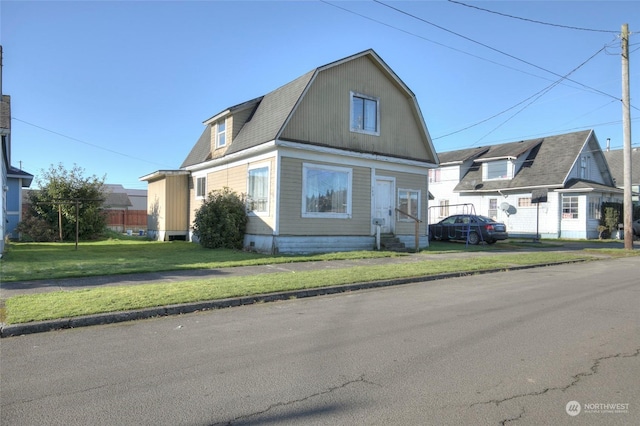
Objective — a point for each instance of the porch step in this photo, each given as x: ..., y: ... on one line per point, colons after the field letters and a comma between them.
x: 392, y: 243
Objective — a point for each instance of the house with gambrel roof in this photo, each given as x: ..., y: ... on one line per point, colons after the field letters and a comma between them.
x: 568, y: 174
x: 323, y: 161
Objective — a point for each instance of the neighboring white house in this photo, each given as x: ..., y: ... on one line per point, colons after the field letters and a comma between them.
x: 567, y: 173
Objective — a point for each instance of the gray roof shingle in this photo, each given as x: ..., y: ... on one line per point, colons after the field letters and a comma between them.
x: 547, y: 165
x: 615, y: 159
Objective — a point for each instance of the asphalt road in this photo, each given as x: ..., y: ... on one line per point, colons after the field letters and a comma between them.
x: 506, y: 348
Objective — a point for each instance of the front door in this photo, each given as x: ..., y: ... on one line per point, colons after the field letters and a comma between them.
x: 384, y: 205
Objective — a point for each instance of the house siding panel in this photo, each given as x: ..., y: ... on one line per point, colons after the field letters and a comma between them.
x: 235, y: 178
x: 157, y: 204
x: 291, y: 220
x: 323, y: 116
x: 176, y: 216
x: 409, y: 181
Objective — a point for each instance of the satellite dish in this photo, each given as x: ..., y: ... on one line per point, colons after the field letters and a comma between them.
x: 504, y: 207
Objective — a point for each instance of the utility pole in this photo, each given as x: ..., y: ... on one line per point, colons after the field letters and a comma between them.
x: 626, y: 130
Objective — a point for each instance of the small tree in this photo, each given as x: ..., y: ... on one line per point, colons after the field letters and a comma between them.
x: 221, y: 221
x: 59, y: 191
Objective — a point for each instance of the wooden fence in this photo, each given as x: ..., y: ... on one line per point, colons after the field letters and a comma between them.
x: 124, y: 220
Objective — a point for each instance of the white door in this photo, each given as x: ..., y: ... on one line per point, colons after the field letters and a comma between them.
x: 384, y: 205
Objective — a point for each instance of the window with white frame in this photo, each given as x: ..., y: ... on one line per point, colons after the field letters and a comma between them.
x: 584, y: 168
x: 570, y: 207
x: 434, y: 175
x: 443, y: 211
x: 498, y: 169
x: 221, y: 134
x: 258, y: 190
x: 524, y: 202
x: 594, y: 208
x: 493, y: 208
x: 365, y: 114
x: 201, y: 187
x: 326, y: 191
x: 409, y: 203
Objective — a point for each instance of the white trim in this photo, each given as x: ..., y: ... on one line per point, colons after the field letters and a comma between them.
x: 401, y: 217
x: 254, y: 166
x: 392, y: 218
x: 353, y: 129
x: 315, y: 166
x: 311, y: 152
x: 242, y: 157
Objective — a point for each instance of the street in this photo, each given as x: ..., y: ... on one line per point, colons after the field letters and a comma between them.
x: 554, y: 345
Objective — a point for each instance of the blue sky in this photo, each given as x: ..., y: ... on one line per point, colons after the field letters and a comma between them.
x: 121, y: 88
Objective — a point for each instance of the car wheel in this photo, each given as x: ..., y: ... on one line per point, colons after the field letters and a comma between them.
x: 474, y: 238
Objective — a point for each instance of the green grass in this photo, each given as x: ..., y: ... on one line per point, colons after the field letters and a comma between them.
x: 31, y: 261
x: 38, y: 261
x: 44, y: 306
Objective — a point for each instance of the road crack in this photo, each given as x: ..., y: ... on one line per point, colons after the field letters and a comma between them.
x: 360, y: 379
x: 575, y: 380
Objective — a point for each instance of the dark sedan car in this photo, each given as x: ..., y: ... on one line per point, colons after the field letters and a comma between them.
x: 470, y: 228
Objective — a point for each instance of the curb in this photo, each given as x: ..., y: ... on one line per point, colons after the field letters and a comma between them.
x: 186, y: 308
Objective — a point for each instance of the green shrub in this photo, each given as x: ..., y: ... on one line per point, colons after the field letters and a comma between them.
x: 221, y: 221
x: 36, y: 229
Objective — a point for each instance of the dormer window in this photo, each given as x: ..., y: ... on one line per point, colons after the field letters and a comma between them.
x: 365, y: 114
x: 497, y: 169
x: 221, y: 134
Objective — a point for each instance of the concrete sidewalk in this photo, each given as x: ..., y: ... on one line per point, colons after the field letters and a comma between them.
x: 11, y: 289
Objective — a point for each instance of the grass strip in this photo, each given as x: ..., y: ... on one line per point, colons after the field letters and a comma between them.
x: 38, y: 261
x: 63, y: 304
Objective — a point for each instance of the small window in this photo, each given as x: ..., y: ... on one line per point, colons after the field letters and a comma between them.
x: 493, y: 208
x: 584, y: 168
x: 594, y: 208
x: 499, y: 169
x: 258, y: 191
x: 326, y: 191
x: 221, y: 134
x: 444, y: 208
x: 524, y: 202
x: 201, y: 187
x: 434, y: 175
x: 365, y: 114
x: 408, y: 203
x: 570, y: 207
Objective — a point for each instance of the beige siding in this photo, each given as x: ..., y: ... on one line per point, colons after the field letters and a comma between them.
x: 409, y: 181
x: 166, y: 198
x: 235, y: 178
x: 291, y: 220
x: 324, y: 114
x: 156, y: 205
x: 176, y: 196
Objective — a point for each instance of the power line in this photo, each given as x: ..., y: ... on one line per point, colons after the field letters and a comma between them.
x: 87, y: 143
x: 492, y: 48
x: 432, y: 41
x: 532, y: 20
x: 542, y: 93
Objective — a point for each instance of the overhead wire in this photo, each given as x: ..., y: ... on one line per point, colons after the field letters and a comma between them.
x: 531, y: 20
x: 541, y: 93
x: 492, y: 48
x: 87, y: 143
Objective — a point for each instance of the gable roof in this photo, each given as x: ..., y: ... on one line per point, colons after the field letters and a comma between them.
x: 273, y: 111
x: 615, y: 159
x: 548, y: 163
